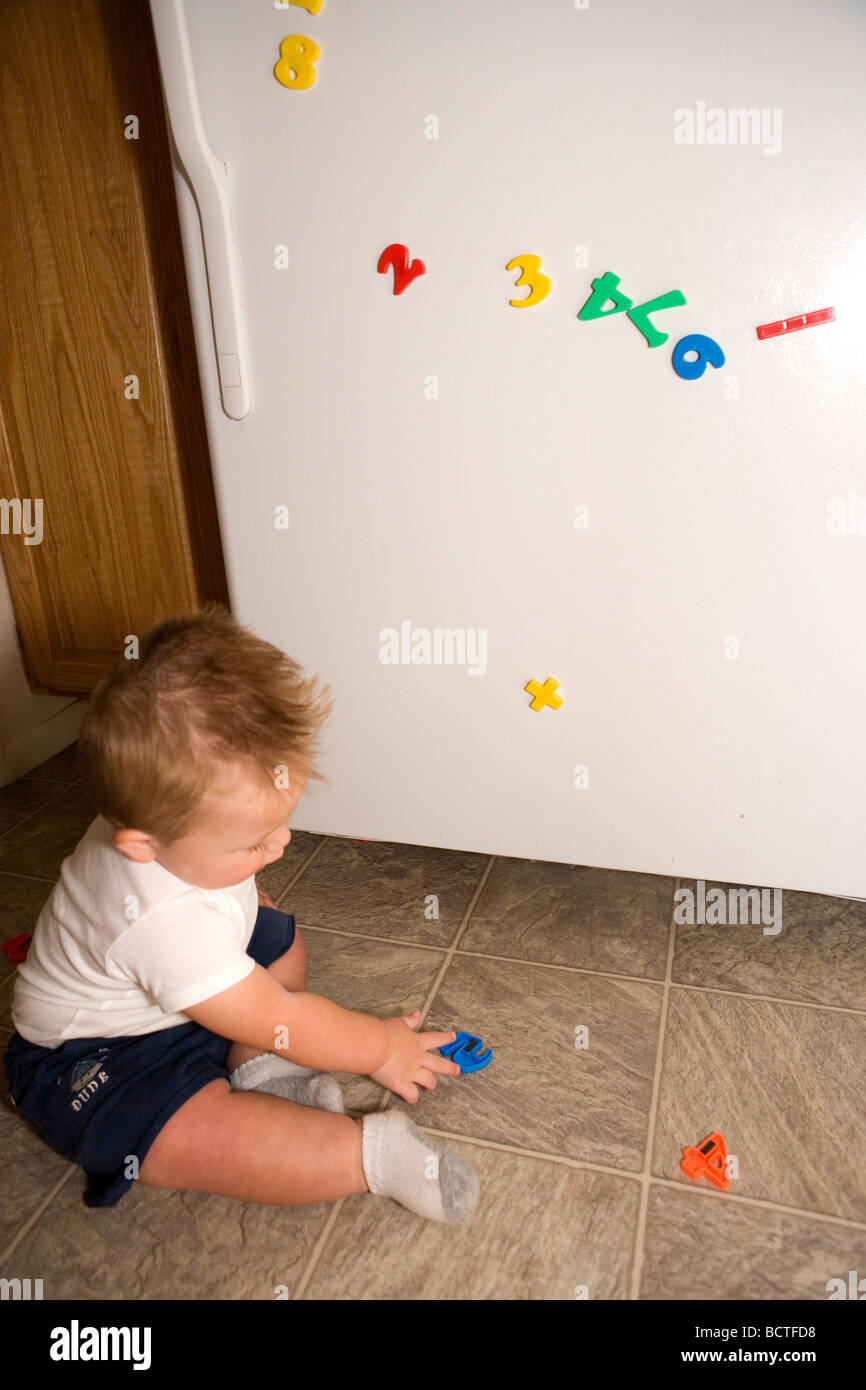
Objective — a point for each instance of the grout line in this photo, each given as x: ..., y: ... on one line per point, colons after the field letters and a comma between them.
x: 452, y: 949
x: 51, y: 781
x: 771, y: 999
x: 63, y: 787
x: 765, y: 1204
x: 587, y: 1165
x: 31, y: 1222
x: 35, y: 878
x: 318, y: 1248
x: 640, y: 1229
x: 583, y: 970
x: 563, y: 1160
x: 302, y: 867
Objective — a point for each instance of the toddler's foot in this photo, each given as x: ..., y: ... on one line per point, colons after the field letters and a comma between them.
x: 278, y: 1077
x: 417, y: 1171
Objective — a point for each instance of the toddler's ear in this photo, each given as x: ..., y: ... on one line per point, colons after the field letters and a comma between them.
x: 135, y: 845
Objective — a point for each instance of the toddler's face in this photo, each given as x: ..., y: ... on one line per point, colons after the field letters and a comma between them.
x: 240, y: 830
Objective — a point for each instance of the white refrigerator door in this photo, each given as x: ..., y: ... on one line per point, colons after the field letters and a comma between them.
x: 520, y: 494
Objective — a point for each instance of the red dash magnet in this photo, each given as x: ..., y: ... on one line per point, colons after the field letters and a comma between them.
x: 775, y: 330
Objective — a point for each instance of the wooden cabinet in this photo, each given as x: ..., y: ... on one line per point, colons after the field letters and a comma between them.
x: 101, y: 417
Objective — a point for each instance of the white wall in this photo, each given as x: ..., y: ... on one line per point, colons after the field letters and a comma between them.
x: 32, y: 727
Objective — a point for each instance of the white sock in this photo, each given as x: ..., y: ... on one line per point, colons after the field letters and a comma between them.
x: 416, y: 1170
x: 277, y: 1076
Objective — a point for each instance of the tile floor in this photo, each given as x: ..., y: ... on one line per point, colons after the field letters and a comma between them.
x: 690, y: 1029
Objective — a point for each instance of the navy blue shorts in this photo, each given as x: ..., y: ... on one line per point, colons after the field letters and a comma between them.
x: 102, y: 1101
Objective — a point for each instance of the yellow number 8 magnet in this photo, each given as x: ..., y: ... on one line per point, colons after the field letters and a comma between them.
x: 297, y: 55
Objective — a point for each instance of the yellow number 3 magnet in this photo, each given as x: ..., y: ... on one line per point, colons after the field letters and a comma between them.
x: 530, y: 268
x: 297, y: 56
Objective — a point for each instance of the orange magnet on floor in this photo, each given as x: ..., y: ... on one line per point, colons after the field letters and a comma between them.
x: 708, y: 1161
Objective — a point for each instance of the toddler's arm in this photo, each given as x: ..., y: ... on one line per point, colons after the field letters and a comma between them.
x: 305, y: 1028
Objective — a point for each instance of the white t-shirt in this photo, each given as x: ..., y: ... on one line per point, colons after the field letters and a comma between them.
x: 122, y: 948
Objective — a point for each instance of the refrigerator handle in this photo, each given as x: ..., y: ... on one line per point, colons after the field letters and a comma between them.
x: 207, y: 177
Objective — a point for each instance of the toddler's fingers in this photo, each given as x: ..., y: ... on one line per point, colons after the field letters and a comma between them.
x: 438, y: 1039
x: 442, y: 1064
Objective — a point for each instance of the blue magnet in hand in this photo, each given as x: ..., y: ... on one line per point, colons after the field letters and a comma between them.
x: 462, y: 1051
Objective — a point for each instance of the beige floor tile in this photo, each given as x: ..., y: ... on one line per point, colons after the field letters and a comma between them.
x: 539, y: 1091
x: 40, y: 844
x: 21, y: 901
x: 564, y: 914
x: 540, y: 1231
x: 6, y: 989
x: 62, y: 767
x: 385, y: 890
x: 157, y: 1244
x: 273, y: 879
x: 819, y: 953
x: 30, y: 1167
x: 708, y: 1248
x: 783, y: 1085
x: 18, y: 800
x: 381, y: 978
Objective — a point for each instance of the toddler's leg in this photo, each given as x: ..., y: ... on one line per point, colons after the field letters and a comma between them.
x: 256, y: 1147
x: 261, y: 1148
x: 278, y: 1077
x: 402, y: 1162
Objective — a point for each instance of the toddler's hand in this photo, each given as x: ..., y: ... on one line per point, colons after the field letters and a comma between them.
x: 413, y: 1058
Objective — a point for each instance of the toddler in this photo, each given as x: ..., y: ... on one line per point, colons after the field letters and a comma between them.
x: 163, y: 1030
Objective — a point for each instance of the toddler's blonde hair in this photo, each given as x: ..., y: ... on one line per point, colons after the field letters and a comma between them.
x: 204, y: 695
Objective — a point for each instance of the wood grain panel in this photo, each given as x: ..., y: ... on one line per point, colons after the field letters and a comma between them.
x: 94, y: 291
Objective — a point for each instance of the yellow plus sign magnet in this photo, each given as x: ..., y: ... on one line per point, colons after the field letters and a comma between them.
x: 544, y: 694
